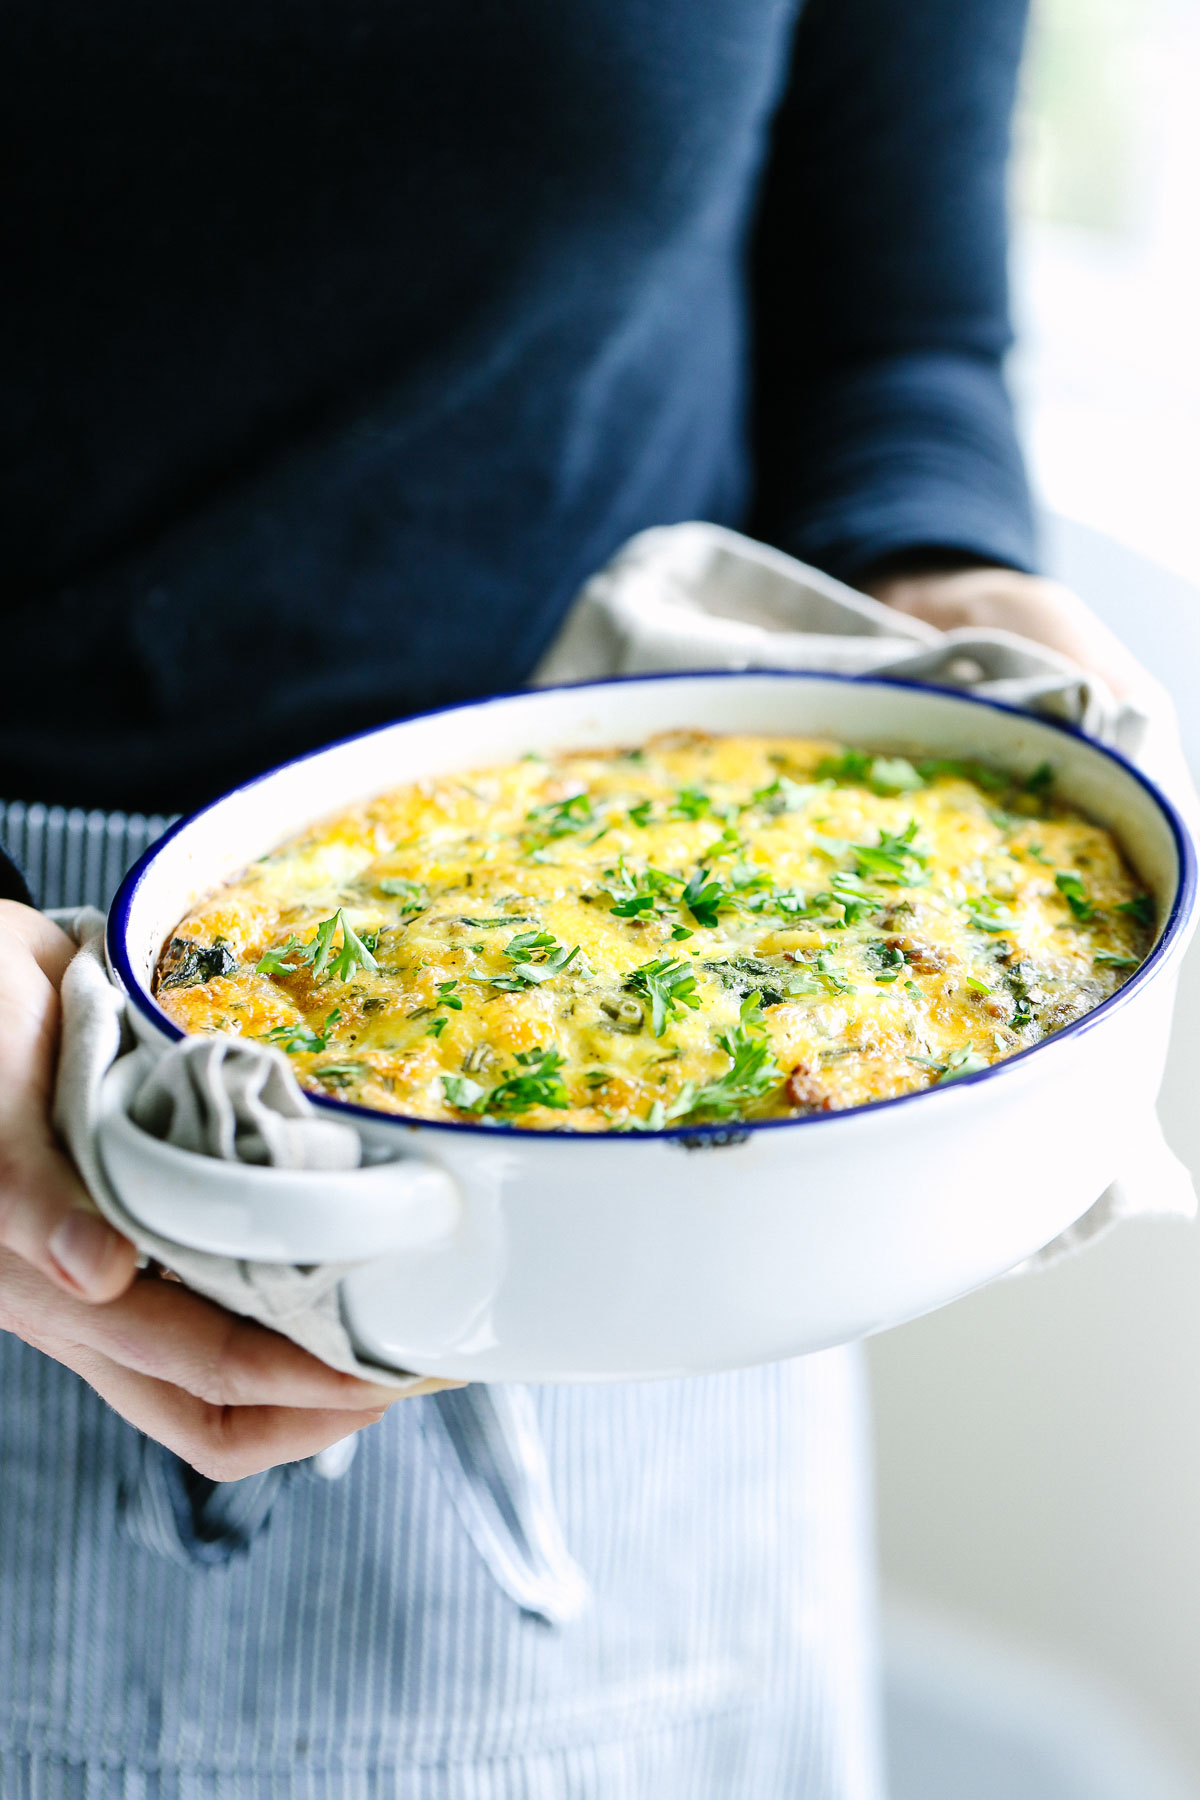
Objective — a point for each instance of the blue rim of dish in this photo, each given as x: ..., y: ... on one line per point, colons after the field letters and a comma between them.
x: 1181, y: 910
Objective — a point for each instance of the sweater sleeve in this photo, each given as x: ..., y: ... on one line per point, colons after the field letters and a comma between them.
x: 882, y: 421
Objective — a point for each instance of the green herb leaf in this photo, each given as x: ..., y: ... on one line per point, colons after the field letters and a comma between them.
x: 691, y: 803
x: 1040, y: 781
x: 340, y: 1074
x: 703, y: 896
x: 782, y: 796
x: 296, y: 1039
x: 635, y: 894
x: 274, y: 962
x: 556, y: 819
x: 893, y: 861
x: 851, y: 766
x: 1141, y: 908
x: 894, y: 775
x: 1112, y: 959
x: 463, y: 1093
x: 411, y: 894
x: 987, y: 914
x: 1073, y: 891
x: 668, y: 985
x: 832, y: 976
x: 752, y: 1074
x: 992, y: 781
x: 966, y: 1061
x: 536, y: 1082
x: 354, y: 953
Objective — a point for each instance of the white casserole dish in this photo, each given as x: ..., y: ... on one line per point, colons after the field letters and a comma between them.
x: 496, y: 1254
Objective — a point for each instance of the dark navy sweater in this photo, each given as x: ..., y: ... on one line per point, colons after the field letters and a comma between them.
x: 342, y: 341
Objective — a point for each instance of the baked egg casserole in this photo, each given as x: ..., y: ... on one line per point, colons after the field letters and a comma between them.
x: 696, y: 931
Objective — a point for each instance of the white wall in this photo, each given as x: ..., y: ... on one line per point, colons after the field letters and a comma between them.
x: 1039, y: 1442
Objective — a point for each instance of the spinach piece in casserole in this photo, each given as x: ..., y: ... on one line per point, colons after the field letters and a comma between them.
x: 188, y: 964
x: 745, y: 975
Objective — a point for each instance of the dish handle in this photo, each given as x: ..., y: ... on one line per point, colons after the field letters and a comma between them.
x: 264, y: 1214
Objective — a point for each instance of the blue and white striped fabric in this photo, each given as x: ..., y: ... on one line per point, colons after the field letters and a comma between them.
x: 703, y: 1545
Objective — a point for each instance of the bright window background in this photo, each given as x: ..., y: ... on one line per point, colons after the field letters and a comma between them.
x: 1106, y: 268
x: 1038, y: 1444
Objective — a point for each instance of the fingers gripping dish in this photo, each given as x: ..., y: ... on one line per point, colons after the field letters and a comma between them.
x: 695, y: 930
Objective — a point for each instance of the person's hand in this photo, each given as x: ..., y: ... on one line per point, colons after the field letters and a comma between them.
x: 227, y: 1395
x: 1004, y: 599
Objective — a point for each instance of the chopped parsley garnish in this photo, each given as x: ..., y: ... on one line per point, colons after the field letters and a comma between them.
x: 992, y: 781
x: 1022, y: 984
x: 1040, y: 781
x: 888, y: 959
x: 978, y: 987
x: 1073, y: 891
x: 893, y: 860
x: 1141, y: 908
x: 1112, y: 959
x: 296, y: 1039
x: 446, y: 996
x: 668, y: 985
x: 967, y: 1061
x: 851, y: 765
x: 558, y: 819
x: 691, y: 803
x: 847, y: 891
x: 704, y: 896
x: 834, y: 980
x: 340, y: 1074
x: 536, y: 1081
x: 883, y: 774
x: 537, y: 955
x: 318, y: 954
x: 782, y: 796
x: 894, y: 775
x: 988, y: 914
x: 752, y: 1074
x: 640, y: 814
x: 412, y: 896
x: 635, y: 894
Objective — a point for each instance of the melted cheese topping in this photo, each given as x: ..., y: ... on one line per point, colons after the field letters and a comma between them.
x: 705, y: 929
